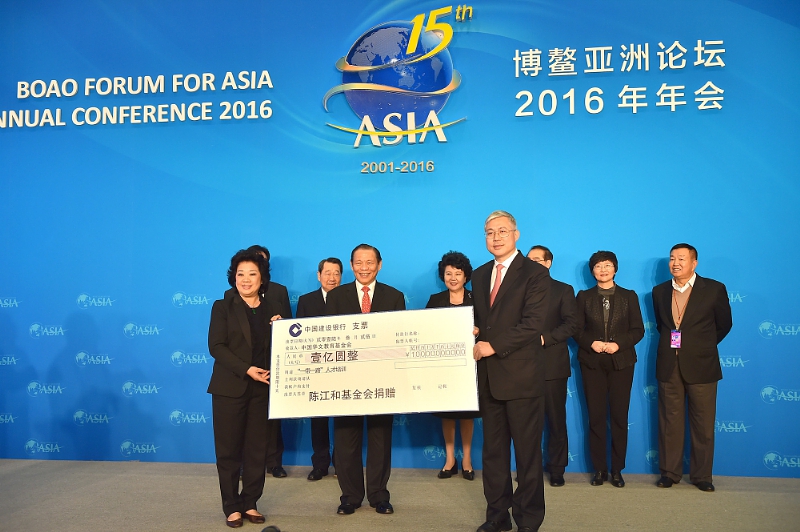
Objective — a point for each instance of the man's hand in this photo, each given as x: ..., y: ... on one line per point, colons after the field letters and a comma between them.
x: 482, y: 350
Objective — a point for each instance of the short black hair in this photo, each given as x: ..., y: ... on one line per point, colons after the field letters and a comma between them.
x: 366, y: 247
x: 247, y: 255
x: 684, y: 245
x: 332, y: 260
x: 259, y: 249
x: 458, y: 261
x: 548, y: 255
x: 600, y: 256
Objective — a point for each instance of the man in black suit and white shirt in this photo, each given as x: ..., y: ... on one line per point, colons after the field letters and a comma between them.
x: 278, y: 294
x: 693, y: 315
x: 363, y: 295
x: 560, y: 324
x: 329, y: 275
x: 510, y: 299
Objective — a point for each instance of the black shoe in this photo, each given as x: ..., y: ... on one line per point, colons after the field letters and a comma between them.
x: 616, y: 479
x: 705, y: 486
x: 384, y: 507
x: 317, y: 474
x: 257, y: 519
x: 525, y: 529
x: 234, y: 523
x: 447, y: 473
x: 494, y: 526
x: 599, y: 477
x: 556, y: 480
x: 469, y: 475
x: 665, y: 482
x: 278, y: 472
x: 347, y: 508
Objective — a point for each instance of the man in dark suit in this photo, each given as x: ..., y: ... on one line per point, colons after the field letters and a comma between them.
x: 279, y: 295
x: 510, y: 299
x: 561, y: 323
x: 363, y: 295
x: 693, y: 315
x: 329, y: 275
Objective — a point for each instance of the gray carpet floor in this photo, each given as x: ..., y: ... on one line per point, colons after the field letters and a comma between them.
x: 86, y: 496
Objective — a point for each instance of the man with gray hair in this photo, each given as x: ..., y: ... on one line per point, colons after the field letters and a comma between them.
x: 511, y: 298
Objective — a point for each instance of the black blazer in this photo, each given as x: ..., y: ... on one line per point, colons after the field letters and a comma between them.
x: 278, y: 293
x: 513, y: 326
x: 311, y: 304
x: 625, y: 326
x: 345, y: 299
x: 560, y: 324
x: 229, y: 342
x: 706, y: 321
x: 442, y: 299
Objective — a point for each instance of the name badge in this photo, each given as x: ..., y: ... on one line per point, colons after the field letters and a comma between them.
x: 675, y: 339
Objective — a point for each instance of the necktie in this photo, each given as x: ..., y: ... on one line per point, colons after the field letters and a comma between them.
x: 497, y: 280
x: 366, y: 304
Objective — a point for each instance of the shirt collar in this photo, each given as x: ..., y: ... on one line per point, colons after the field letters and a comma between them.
x: 371, y: 285
x: 506, y: 263
x: 684, y: 288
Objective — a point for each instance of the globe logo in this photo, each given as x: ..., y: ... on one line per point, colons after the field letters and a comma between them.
x: 380, y: 76
x: 36, y: 330
x: 179, y: 299
x: 83, y: 301
x: 177, y: 358
x: 129, y: 388
x: 769, y: 394
x: 129, y: 330
x: 767, y: 329
x: 772, y: 460
x: 34, y: 388
x: 650, y: 392
x: 652, y: 457
x: 30, y: 447
x: 82, y: 358
x: 175, y: 417
x: 80, y: 417
x: 126, y: 448
x: 433, y: 453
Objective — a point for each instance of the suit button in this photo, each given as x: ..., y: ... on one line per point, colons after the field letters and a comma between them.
x: 488, y: 327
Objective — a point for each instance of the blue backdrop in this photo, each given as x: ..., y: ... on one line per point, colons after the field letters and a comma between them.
x: 624, y: 125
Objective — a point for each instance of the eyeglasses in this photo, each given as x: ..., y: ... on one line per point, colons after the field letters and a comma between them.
x: 502, y: 233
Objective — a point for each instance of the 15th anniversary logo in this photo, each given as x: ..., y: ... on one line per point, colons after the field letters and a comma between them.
x: 397, y: 78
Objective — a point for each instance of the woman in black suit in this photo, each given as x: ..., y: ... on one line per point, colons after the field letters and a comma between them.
x: 455, y: 270
x: 609, y: 326
x: 239, y: 339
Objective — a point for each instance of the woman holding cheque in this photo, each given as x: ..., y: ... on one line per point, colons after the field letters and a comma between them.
x: 239, y: 341
x: 455, y: 271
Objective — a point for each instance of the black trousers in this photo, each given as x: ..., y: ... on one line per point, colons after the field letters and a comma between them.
x: 555, y: 409
x: 673, y: 397
x: 608, y: 392
x: 240, y: 442
x: 520, y: 420
x: 320, y: 443
x: 348, y: 435
x: 274, y: 456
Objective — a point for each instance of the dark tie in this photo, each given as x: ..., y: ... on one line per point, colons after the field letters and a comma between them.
x: 366, y: 304
x: 497, y: 280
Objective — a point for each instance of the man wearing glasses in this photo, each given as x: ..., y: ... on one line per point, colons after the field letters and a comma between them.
x: 511, y: 298
x: 561, y: 323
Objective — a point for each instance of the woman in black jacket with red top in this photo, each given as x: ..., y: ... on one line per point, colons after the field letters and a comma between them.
x: 609, y: 326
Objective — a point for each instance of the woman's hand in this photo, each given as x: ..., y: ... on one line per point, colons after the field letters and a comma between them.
x: 258, y: 374
x: 274, y: 318
x: 611, y: 348
x: 475, y: 332
x: 598, y: 346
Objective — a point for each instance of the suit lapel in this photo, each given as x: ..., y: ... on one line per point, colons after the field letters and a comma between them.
x: 487, y: 285
x: 241, y: 315
x: 694, y: 296
x: 666, y: 304
x: 510, y: 277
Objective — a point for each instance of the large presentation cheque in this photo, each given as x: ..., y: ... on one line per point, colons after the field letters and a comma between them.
x: 382, y: 363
